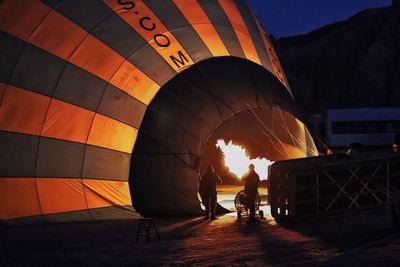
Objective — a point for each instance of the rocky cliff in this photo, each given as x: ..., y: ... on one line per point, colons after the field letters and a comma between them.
x: 354, y: 63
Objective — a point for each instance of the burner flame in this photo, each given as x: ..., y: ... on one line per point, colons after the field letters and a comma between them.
x: 237, y: 161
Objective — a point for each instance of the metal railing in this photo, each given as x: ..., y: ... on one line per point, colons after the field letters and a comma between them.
x: 331, y: 185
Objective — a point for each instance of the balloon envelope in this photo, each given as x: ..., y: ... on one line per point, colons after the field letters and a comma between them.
x: 84, y: 84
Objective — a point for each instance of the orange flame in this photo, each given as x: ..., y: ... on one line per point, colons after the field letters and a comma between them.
x: 237, y: 161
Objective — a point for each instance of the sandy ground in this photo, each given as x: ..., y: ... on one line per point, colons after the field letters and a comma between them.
x: 193, y: 242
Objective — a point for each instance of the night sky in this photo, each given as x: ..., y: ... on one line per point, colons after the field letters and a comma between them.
x: 292, y: 17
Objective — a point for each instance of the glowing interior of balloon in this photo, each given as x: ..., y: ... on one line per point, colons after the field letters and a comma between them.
x: 237, y: 161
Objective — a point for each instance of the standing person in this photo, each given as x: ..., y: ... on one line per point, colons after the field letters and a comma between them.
x: 208, y: 192
x: 251, y: 180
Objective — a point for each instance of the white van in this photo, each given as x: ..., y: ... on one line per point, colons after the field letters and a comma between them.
x: 343, y: 128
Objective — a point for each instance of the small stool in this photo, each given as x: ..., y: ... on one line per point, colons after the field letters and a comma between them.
x: 146, y: 224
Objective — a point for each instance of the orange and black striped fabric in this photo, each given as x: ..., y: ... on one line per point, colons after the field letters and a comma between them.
x: 76, y: 78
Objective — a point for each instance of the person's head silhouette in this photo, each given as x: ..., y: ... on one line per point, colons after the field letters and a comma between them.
x: 210, y: 169
x: 251, y: 167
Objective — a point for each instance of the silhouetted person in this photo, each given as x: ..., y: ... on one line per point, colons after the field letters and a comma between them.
x: 251, y: 180
x: 395, y: 146
x: 208, y: 192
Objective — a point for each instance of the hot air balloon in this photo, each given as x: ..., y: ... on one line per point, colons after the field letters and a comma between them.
x: 109, y: 104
